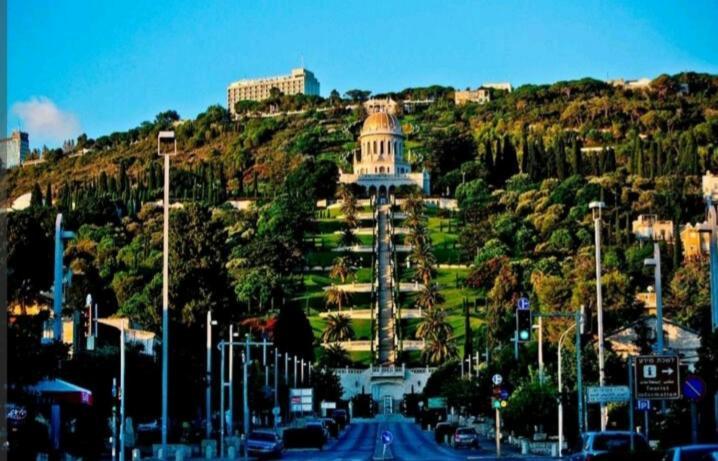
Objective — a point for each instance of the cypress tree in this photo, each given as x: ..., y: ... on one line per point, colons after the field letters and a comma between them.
x: 48, y: 195
x: 256, y: 183
x: 595, y: 165
x: 103, y: 186
x: 550, y: 158
x: 524, y: 155
x: 36, y: 197
x: 577, y: 157
x: 640, y: 161
x: 510, y: 164
x: 560, y: 155
x: 489, y: 161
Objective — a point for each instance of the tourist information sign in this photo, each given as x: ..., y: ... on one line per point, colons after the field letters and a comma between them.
x: 658, y: 377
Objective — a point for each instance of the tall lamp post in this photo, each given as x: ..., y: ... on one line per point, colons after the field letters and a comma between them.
x: 596, y: 208
x: 560, y: 390
x: 168, y: 137
x: 208, y: 383
x: 710, y: 195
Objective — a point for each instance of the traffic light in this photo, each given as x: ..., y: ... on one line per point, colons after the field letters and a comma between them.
x: 523, y: 324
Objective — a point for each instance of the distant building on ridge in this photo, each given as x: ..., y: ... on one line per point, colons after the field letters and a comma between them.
x: 15, y: 149
x: 299, y: 81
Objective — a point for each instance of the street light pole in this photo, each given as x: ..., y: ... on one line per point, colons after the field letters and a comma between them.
x: 596, y: 208
x: 245, y: 394
x: 560, y: 390
x: 208, y: 383
x: 230, y: 422
x: 122, y: 390
x: 169, y: 136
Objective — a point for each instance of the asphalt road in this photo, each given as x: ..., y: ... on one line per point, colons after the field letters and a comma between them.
x: 361, y: 442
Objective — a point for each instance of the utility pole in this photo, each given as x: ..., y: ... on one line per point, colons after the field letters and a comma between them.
x: 114, y: 419
x: 596, y: 208
x: 169, y: 136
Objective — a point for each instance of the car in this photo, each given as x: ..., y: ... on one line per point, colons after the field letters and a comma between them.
x: 465, y: 437
x: 316, y: 432
x: 614, y: 446
x: 332, y: 427
x: 692, y: 453
x: 443, y: 431
x: 341, y: 417
x: 320, y: 423
x: 264, y: 444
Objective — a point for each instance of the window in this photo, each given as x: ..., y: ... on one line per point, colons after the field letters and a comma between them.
x: 381, y: 147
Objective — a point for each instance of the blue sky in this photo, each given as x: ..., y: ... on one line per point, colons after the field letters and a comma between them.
x: 98, y: 66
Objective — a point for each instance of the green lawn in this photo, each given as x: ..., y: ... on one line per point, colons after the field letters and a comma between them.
x: 362, y: 327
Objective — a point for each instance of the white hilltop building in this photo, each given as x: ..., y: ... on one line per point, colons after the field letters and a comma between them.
x: 379, y: 165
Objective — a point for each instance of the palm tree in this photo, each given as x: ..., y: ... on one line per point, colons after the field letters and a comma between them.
x: 335, y: 356
x: 429, y: 297
x: 341, y: 268
x: 434, y: 323
x: 349, y: 206
x: 337, y: 297
x: 438, y: 350
x: 338, y: 328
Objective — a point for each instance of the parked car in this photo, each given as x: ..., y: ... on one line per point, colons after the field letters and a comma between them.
x: 264, y: 444
x: 320, y: 423
x: 443, y: 430
x: 317, y: 432
x: 614, y: 446
x: 331, y: 426
x: 692, y: 453
x: 465, y: 437
x: 310, y: 436
x: 341, y: 417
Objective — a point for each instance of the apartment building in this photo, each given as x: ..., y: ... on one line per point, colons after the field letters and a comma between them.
x: 15, y: 149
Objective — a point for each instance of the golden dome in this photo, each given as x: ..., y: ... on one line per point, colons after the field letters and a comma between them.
x: 381, y: 122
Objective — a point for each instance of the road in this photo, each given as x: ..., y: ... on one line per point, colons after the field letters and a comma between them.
x: 360, y: 442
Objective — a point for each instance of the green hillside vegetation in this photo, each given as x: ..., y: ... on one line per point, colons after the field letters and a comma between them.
x: 514, y: 165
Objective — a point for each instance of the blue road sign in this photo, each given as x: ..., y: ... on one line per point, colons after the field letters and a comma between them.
x: 694, y: 388
x: 643, y: 405
x: 504, y: 394
x: 387, y: 437
x: 523, y: 304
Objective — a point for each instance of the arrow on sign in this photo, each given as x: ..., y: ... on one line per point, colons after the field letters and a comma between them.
x: 667, y: 371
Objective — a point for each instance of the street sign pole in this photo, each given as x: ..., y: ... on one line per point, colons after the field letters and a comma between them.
x: 631, y: 412
x: 498, y: 433
x: 694, y: 422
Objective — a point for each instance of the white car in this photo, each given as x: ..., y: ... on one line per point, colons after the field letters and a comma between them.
x: 692, y: 453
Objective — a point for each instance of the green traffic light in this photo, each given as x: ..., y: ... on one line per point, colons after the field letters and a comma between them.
x: 524, y: 335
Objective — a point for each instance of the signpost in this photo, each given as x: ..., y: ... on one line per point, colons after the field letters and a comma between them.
x: 386, y: 438
x: 608, y: 394
x: 498, y: 402
x: 694, y: 389
x: 657, y: 377
x: 497, y: 379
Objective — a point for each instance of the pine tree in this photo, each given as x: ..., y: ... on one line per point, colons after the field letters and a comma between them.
x: 36, y: 196
x: 48, y: 195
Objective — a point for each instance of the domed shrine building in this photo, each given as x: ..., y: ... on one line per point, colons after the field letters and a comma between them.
x: 379, y: 164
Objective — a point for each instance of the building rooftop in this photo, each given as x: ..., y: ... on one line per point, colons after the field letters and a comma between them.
x: 381, y: 122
